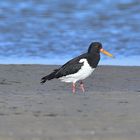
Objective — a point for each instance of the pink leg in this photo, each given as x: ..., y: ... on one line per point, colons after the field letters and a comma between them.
x: 82, y: 86
x: 73, y: 88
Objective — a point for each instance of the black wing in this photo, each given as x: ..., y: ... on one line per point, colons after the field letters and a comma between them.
x: 70, y: 67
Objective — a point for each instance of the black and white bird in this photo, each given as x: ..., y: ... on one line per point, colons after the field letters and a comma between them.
x: 79, y: 67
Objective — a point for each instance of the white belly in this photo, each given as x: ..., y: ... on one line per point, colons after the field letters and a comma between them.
x: 83, y: 73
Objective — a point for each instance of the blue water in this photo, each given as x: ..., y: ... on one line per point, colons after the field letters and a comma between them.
x: 54, y: 31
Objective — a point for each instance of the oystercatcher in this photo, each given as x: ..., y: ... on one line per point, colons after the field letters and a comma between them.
x: 79, y: 67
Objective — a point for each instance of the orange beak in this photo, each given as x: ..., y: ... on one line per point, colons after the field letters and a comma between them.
x: 105, y: 52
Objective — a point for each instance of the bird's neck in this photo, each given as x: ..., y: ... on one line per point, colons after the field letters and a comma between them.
x: 93, y: 59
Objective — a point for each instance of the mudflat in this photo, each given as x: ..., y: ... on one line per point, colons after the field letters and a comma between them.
x: 109, y: 109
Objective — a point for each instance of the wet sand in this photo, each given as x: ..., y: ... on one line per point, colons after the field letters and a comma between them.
x: 110, y: 109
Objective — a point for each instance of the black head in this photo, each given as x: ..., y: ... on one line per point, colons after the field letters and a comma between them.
x: 95, y: 47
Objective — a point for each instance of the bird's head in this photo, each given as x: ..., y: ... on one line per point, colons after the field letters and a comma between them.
x: 96, y: 47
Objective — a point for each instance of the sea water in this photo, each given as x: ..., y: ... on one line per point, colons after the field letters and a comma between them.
x: 54, y: 31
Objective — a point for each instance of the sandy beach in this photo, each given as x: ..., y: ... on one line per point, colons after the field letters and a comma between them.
x: 109, y: 110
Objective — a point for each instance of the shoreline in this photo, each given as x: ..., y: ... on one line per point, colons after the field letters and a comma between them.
x: 109, y: 110
x: 126, y: 61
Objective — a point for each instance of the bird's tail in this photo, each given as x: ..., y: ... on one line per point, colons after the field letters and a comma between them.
x: 48, y: 77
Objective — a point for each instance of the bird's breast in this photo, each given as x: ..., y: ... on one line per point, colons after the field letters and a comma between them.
x: 85, y: 70
x: 83, y: 73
